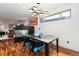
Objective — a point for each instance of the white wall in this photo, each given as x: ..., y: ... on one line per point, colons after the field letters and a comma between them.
x: 4, y: 26
x: 66, y: 30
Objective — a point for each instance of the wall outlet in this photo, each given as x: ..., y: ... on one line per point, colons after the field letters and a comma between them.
x: 67, y: 41
x: 39, y: 28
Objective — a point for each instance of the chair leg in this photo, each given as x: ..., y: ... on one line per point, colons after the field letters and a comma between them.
x: 52, y: 45
x: 29, y: 51
x: 43, y: 52
x: 34, y: 54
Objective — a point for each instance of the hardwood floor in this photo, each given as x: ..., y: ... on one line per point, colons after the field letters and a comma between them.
x: 9, y: 48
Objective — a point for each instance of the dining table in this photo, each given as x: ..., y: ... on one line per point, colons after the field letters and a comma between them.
x: 47, y: 39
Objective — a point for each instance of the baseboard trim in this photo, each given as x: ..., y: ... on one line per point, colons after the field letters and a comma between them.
x: 67, y: 51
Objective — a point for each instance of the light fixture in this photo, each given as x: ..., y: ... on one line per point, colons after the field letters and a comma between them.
x: 37, y: 11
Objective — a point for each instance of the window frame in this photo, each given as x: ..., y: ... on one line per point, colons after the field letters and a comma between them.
x: 68, y: 10
x: 60, y: 18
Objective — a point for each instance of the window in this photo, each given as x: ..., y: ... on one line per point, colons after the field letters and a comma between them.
x: 52, y: 18
x: 41, y: 20
x: 58, y: 16
x: 66, y: 14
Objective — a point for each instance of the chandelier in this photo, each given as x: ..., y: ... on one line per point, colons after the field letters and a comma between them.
x: 37, y: 11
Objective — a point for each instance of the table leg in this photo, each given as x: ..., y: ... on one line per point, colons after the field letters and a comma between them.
x: 46, y: 49
x: 57, y: 45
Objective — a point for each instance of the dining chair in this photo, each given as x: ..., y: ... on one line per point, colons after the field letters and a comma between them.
x: 26, y: 44
x: 36, y: 47
x: 33, y: 46
x: 18, y: 41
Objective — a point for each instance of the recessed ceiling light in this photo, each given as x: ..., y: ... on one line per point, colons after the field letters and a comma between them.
x: 13, y: 25
x: 18, y: 24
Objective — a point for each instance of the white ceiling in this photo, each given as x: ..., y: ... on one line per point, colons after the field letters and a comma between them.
x: 13, y: 11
